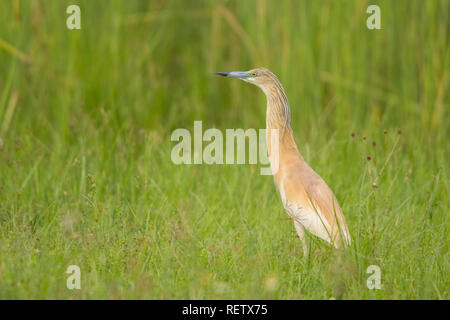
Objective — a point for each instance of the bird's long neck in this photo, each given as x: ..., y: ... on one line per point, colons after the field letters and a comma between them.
x: 278, y: 117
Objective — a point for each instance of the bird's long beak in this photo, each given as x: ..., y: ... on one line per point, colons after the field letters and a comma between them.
x: 234, y: 74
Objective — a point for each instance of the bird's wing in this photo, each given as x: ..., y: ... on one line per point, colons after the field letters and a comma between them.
x: 309, y: 200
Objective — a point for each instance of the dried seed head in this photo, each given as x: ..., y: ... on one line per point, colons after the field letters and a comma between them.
x: 369, y: 158
x: 353, y: 134
x: 374, y: 143
x: 374, y: 185
x: 385, y: 131
x: 399, y: 131
x: 364, y: 137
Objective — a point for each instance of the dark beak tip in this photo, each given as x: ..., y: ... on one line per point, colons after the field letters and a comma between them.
x: 223, y: 74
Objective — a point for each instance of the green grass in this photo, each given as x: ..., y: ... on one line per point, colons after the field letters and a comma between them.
x: 85, y: 170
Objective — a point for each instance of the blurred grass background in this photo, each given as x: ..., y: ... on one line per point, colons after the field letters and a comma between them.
x: 85, y: 171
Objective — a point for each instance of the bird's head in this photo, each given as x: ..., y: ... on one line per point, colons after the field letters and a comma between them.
x: 260, y: 77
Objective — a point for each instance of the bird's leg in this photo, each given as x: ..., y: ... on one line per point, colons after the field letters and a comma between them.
x: 301, y: 234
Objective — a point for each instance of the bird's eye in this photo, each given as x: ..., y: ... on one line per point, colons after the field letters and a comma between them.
x: 254, y: 74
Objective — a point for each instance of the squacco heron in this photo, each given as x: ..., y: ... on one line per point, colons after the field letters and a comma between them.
x: 306, y: 197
